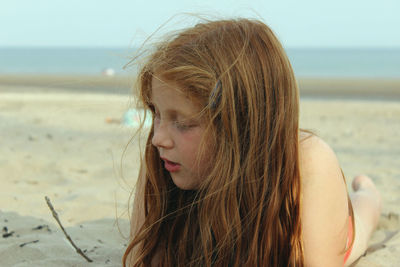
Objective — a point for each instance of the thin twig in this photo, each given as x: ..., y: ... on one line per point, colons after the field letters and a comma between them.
x: 55, y: 215
x: 30, y: 242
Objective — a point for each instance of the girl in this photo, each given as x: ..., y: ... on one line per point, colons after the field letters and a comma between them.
x: 228, y: 179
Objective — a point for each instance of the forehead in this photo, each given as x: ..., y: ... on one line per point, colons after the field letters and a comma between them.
x: 162, y: 87
x: 170, y: 96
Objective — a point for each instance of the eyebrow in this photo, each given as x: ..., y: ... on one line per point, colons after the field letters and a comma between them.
x: 176, y: 112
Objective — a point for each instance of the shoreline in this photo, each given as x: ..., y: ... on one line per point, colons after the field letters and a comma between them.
x: 350, y: 88
x: 321, y: 88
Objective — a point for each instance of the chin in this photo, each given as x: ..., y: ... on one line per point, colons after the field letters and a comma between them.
x: 182, y: 183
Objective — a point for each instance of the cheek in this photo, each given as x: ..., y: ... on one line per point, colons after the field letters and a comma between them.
x: 190, y: 144
x: 198, y: 151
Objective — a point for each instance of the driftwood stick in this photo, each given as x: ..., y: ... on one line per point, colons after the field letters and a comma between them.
x: 55, y: 215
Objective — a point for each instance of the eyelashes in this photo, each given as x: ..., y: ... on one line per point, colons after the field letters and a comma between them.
x: 181, y: 125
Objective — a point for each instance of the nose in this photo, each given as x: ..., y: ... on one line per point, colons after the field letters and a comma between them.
x: 161, y: 137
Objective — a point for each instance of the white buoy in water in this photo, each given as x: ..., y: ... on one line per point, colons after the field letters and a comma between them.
x: 108, y: 72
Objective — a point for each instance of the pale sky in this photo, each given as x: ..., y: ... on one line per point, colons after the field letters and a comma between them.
x: 124, y: 23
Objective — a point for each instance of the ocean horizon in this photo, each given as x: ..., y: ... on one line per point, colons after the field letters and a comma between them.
x: 306, y: 62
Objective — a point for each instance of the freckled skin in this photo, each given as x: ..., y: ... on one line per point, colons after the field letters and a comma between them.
x: 178, y: 133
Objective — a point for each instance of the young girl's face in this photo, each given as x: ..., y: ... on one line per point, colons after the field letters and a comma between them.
x: 178, y: 133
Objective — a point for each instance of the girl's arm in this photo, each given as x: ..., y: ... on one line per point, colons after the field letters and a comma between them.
x: 325, y: 214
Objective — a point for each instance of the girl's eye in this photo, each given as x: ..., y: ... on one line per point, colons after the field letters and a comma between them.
x: 183, y: 126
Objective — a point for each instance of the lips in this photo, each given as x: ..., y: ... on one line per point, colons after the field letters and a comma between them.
x: 171, y: 166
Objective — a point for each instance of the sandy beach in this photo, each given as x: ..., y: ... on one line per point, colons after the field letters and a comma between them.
x: 63, y: 137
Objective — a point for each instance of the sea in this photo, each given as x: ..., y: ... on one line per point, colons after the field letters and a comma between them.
x: 306, y: 62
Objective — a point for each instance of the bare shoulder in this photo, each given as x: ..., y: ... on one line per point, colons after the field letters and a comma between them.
x: 315, y: 156
x: 324, y: 203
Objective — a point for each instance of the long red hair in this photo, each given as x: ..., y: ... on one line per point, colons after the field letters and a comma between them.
x: 247, y: 211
